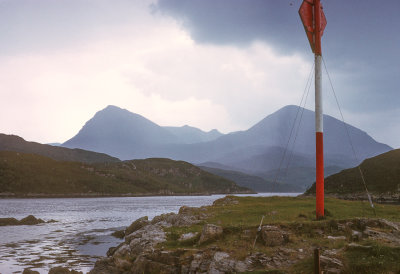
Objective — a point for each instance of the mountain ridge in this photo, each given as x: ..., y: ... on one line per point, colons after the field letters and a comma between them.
x: 258, y: 149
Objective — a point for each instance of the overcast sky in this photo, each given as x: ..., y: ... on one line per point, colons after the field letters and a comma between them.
x: 222, y: 64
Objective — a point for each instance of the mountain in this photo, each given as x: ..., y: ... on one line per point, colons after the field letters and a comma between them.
x: 191, y: 135
x: 17, y: 144
x: 296, y: 176
x: 381, y: 174
x: 123, y: 134
x: 24, y: 174
x: 256, y: 150
x: 274, y: 130
x: 255, y: 183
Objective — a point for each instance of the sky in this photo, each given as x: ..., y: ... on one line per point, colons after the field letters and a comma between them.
x: 223, y: 64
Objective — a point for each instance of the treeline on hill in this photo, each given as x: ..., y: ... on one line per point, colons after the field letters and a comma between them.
x: 381, y: 174
x: 23, y: 174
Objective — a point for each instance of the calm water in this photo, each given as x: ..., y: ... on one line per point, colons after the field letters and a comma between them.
x: 82, y: 231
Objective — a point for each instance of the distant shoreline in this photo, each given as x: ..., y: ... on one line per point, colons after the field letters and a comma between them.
x: 99, y: 195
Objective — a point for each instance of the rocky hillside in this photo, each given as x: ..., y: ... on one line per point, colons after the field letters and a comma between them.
x: 17, y: 144
x: 381, y: 173
x: 227, y: 237
x: 33, y: 175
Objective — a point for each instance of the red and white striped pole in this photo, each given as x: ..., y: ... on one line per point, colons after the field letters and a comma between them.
x: 319, y: 125
x: 314, y: 22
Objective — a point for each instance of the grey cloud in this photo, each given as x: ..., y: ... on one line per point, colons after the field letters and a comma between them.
x: 360, y: 44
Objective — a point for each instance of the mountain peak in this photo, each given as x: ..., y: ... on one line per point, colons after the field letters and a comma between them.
x: 120, y: 133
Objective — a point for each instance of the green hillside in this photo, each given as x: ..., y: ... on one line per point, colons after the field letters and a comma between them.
x: 18, y: 144
x: 381, y: 173
x: 22, y: 174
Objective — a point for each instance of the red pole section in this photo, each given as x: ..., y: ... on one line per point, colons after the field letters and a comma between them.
x: 317, y: 27
x: 319, y: 140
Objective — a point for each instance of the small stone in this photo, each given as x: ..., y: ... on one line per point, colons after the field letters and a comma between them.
x: 209, y: 232
x: 120, y: 234
x: 30, y: 271
x: 273, y: 236
x: 63, y: 270
x: 136, y: 225
x: 188, y: 236
x: 330, y: 262
x: 356, y: 235
x: 218, y: 256
x: 336, y: 237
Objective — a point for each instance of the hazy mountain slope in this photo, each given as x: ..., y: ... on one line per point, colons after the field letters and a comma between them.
x: 191, y: 135
x: 253, y: 182
x: 127, y: 135
x: 274, y: 131
x: 381, y: 173
x: 302, y: 177
x: 15, y: 143
x: 269, y: 137
x: 123, y: 134
x: 23, y: 174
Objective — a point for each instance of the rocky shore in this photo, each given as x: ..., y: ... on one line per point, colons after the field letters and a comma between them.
x: 29, y: 220
x: 188, y: 243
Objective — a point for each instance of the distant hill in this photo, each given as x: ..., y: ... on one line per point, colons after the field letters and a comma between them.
x: 255, y: 183
x: 257, y: 150
x: 17, y: 144
x: 121, y: 133
x: 297, y: 176
x: 29, y: 174
x: 381, y: 173
x: 192, y: 135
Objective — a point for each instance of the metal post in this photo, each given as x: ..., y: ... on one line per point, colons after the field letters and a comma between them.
x: 319, y: 140
x: 317, y: 265
x: 319, y: 126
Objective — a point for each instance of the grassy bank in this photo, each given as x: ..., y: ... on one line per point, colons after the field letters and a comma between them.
x: 240, y: 217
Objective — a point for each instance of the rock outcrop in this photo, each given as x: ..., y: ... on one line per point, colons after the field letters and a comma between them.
x: 29, y: 220
x: 173, y: 243
x: 210, y: 232
x: 274, y: 236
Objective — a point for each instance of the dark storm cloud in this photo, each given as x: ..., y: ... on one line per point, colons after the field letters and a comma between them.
x: 361, y: 40
x: 236, y: 22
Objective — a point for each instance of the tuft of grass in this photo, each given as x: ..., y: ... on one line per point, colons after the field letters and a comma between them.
x: 376, y: 259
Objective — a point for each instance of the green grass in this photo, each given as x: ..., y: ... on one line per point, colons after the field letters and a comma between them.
x: 377, y: 259
x: 381, y: 174
x: 250, y: 210
x: 241, y: 216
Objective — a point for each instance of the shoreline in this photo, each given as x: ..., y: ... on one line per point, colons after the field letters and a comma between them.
x: 212, y: 239
x: 97, y: 195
